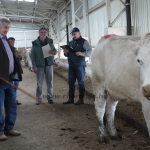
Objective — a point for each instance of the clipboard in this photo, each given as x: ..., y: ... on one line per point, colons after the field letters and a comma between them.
x: 67, y: 47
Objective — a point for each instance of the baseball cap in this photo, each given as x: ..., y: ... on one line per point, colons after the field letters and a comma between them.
x: 75, y: 30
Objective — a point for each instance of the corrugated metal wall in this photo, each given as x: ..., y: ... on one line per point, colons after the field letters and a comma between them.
x: 141, y: 16
x: 98, y: 18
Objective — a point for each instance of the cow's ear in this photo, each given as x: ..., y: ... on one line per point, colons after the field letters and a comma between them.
x: 134, y: 46
x: 145, y: 39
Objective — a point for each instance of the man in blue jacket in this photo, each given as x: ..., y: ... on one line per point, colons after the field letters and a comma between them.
x: 77, y: 64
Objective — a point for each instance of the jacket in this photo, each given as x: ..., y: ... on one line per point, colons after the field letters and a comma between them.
x: 79, y: 45
x: 19, y: 61
x: 37, y: 57
x: 4, y: 64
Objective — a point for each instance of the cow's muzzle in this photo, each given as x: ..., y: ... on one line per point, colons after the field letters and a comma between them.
x: 146, y: 91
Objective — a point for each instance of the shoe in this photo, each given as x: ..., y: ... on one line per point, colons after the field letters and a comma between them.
x: 12, y: 133
x: 38, y: 102
x: 80, y: 101
x: 18, y: 103
x: 51, y: 101
x: 81, y: 96
x: 70, y: 100
x: 3, y: 137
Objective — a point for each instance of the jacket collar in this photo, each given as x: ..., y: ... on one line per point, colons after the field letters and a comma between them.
x: 78, y: 38
x: 37, y: 41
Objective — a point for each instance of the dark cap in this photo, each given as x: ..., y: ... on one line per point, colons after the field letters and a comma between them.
x: 75, y: 30
x: 11, y: 38
x: 43, y: 28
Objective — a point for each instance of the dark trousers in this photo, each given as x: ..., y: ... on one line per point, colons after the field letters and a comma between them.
x: 76, y: 72
x: 7, y: 101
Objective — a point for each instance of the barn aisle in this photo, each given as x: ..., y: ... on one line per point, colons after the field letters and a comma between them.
x: 70, y: 127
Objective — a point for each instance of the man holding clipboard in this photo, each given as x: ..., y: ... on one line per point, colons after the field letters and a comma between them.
x: 76, y: 52
x: 42, y: 56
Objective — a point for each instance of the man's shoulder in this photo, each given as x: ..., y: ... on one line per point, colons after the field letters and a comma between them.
x: 49, y: 40
x: 35, y: 41
x: 83, y: 39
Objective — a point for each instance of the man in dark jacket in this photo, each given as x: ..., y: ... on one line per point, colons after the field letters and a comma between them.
x: 9, y: 67
x: 77, y: 64
x: 43, y: 65
x: 19, y: 57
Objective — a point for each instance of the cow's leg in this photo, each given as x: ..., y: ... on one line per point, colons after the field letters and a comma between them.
x: 146, y: 111
x: 100, y: 103
x: 110, y: 114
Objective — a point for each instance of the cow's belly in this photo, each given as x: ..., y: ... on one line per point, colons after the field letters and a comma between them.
x: 121, y: 95
x: 123, y: 82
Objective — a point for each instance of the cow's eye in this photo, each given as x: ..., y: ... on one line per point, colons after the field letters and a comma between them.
x: 140, y: 62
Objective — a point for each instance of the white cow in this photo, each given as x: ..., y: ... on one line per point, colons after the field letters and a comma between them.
x: 120, y: 70
x: 27, y: 60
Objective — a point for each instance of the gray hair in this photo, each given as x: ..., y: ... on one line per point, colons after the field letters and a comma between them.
x: 4, y: 20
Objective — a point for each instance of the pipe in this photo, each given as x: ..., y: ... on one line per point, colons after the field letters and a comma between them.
x: 128, y: 16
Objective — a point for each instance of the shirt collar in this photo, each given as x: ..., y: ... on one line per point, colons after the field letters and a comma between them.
x: 1, y: 36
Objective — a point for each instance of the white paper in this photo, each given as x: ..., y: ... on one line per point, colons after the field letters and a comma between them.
x: 46, y: 50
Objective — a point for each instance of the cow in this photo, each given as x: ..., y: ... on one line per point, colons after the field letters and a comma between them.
x: 27, y: 58
x: 120, y: 71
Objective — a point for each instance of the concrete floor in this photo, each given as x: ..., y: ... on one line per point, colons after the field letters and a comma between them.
x: 69, y: 127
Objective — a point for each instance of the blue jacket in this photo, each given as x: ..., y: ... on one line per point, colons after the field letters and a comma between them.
x: 79, y: 45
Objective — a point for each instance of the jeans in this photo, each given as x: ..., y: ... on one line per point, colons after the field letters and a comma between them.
x: 16, y: 90
x: 7, y: 101
x: 48, y: 71
x: 76, y: 72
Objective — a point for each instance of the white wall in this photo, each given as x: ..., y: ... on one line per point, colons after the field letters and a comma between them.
x: 23, y: 38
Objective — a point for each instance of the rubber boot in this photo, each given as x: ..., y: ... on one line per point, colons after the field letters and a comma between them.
x: 80, y: 101
x: 70, y: 100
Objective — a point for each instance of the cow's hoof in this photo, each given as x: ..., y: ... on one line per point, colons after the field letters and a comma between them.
x: 103, y: 139
x: 116, y: 137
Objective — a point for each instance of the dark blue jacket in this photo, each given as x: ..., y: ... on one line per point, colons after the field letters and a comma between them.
x: 79, y: 45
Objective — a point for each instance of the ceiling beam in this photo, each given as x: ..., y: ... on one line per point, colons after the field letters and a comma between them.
x: 19, y: 16
x: 24, y: 12
x: 31, y: 7
x: 46, y: 4
x: 63, y: 1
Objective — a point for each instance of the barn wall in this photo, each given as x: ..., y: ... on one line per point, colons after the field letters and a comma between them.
x: 141, y: 16
x: 98, y: 18
x: 23, y: 38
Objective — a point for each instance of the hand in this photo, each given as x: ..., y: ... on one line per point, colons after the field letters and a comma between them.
x: 78, y: 53
x: 35, y: 70
x: 51, y: 52
x: 19, y: 57
x: 66, y: 51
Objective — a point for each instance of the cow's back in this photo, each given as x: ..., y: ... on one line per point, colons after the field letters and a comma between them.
x: 114, y: 64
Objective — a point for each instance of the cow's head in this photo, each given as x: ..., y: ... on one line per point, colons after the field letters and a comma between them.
x: 143, y: 59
